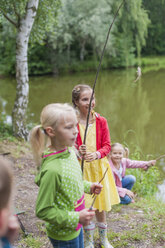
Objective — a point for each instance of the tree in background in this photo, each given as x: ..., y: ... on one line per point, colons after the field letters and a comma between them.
x: 156, y: 31
x: 130, y: 32
x: 7, y: 47
x: 79, y: 34
x: 82, y: 27
x: 21, y: 14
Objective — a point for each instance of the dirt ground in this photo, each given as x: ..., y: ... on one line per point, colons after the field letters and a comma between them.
x: 126, y: 218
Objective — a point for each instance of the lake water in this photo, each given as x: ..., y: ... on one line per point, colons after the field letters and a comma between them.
x: 135, y: 111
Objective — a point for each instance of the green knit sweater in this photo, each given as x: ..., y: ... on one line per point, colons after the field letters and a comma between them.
x: 60, y: 186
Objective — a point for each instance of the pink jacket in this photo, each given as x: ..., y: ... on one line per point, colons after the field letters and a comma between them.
x: 126, y: 163
x: 102, y: 136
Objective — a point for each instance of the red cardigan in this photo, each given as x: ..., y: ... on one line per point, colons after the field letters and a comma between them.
x: 102, y: 136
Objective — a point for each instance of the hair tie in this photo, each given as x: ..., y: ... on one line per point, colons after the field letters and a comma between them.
x: 40, y: 126
x: 42, y: 129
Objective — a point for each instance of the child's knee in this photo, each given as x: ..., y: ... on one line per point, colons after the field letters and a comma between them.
x: 132, y: 178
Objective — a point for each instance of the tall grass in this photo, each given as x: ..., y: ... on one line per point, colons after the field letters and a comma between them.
x: 146, y: 181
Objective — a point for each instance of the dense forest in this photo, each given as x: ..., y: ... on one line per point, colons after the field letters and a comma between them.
x: 76, y: 36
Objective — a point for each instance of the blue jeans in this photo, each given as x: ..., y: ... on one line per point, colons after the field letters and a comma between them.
x: 5, y: 243
x: 74, y: 243
x: 127, y: 183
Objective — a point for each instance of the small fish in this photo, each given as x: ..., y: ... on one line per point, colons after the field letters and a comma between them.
x: 139, y: 73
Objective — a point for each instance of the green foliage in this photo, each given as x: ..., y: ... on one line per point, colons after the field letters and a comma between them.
x: 32, y: 242
x: 159, y: 61
x: 11, y: 7
x: 80, y: 32
x: 45, y: 21
x: 124, y: 54
x: 73, y: 32
x: 7, y: 48
x: 156, y: 31
x: 146, y: 181
x: 39, y: 60
x: 130, y: 31
x: 12, y: 12
x: 5, y: 129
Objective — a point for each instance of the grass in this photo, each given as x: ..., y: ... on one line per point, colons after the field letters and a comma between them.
x: 151, y: 63
x: 145, y: 227
x: 151, y: 60
x: 148, y: 63
x: 32, y: 242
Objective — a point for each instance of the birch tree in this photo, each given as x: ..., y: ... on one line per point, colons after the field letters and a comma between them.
x: 23, y: 25
x: 22, y: 14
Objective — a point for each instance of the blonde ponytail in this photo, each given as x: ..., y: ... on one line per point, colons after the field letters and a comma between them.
x: 126, y: 152
x: 37, y: 141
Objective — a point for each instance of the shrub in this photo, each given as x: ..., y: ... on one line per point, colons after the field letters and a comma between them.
x: 146, y: 181
x: 5, y: 129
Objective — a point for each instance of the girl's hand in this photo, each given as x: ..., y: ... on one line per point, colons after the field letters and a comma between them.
x: 151, y: 163
x: 90, y: 156
x: 96, y: 188
x: 82, y: 150
x: 130, y: 194
x: 13, y: 228
x: 85, y: 216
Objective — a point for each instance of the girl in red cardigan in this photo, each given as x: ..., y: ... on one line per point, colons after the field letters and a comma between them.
x: 94, y: 152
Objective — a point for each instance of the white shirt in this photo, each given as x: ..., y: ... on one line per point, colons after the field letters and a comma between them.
x: 119, y: 172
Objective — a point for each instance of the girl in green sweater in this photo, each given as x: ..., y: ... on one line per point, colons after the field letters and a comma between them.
x: 60, y: 202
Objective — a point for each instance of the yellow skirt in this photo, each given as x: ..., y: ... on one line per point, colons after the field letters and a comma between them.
x: 93, y: 172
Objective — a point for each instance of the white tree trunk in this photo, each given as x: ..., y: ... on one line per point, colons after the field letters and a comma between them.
x: 22, y: 92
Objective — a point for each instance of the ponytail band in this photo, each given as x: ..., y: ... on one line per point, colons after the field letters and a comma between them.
x: 42, y: 129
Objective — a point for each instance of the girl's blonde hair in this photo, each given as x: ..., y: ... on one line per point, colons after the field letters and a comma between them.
x: 77, y: 90
x: 125, y: 149
x: 50, y: 116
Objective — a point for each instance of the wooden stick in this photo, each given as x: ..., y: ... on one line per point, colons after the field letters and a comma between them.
x: 104, y: 175
x: 102, y: 179
x: 158, y: 158
x: 93, y: 202
x: 97, y: 195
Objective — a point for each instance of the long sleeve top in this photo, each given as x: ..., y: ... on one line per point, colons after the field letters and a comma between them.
x: 125, y: 163
x: 102, y: 136
x: 61, y: 194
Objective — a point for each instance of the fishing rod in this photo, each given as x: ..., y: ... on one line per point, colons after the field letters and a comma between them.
x: 97, y: 73
x: 158, y: 158
x: 94, y: 196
